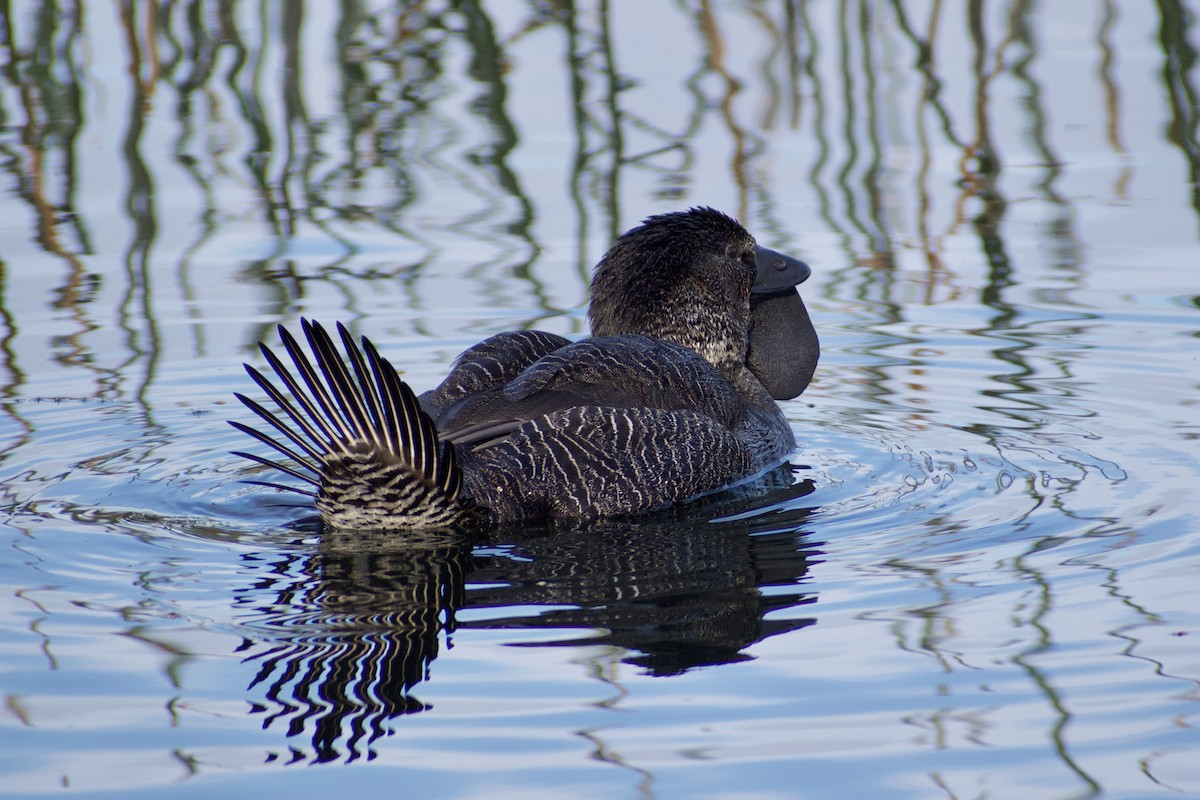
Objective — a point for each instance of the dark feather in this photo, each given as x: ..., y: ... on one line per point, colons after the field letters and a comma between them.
x: 345, y: 413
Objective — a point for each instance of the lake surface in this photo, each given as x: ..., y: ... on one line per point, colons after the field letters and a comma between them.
x: 979, y: 576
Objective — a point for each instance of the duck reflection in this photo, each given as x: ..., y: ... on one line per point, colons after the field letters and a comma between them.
x: 343, y: 634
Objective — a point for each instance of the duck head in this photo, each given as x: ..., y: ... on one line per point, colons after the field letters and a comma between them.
x: 698, y: 278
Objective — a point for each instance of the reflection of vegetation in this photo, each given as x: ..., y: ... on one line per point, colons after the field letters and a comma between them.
x: 1179, y: 62
x: 247, y: 113
x: 49, y: 119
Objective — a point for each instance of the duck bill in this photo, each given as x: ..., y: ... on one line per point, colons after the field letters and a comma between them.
x: 783, y: 348
x: 777, y: 272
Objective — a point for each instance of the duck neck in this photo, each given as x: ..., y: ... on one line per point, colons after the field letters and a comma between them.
x: 719, y: 337
x: 749, y: 387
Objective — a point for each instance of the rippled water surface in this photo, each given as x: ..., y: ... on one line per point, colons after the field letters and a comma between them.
x: 977, y: 578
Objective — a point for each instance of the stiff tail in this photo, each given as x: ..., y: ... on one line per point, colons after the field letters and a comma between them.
x: 360, y: 440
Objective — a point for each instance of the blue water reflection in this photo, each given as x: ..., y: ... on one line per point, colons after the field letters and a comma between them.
x: 976, y: 578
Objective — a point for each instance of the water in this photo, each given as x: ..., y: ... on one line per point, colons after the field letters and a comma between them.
x: 977, y: 577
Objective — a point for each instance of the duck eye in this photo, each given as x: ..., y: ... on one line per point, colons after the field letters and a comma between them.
x: 731, y: 251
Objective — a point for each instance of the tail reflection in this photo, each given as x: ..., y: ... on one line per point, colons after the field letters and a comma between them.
x: 343, y: 634
x: 348, y: 632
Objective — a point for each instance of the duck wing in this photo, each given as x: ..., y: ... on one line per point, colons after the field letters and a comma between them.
x: 487, y: 366
x: 627, y: 371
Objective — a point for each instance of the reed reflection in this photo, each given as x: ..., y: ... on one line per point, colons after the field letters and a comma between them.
x: 1179, y: 63
x: 342, y: 636
x: 341, y: 128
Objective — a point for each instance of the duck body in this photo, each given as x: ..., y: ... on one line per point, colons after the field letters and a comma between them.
x: 672, y: 398
x: 608, y: 425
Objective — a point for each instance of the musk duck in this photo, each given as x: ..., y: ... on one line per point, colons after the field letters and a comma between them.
x: 696, y: 331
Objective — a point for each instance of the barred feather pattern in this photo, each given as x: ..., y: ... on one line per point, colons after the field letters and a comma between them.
x: 366, y: 488
x: 595, y: 461
x: 489, y: 365
x: 357, y: 435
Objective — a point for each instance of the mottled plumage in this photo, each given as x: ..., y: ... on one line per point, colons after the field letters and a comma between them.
x: 670, y: 399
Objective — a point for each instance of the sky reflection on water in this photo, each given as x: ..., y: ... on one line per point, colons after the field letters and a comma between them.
x: 977, y: 579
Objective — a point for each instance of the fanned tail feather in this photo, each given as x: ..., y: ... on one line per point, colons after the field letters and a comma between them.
x: 356, y: 434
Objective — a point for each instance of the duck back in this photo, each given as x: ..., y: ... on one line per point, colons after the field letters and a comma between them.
x: 611, y: 371
x: 599, y: 461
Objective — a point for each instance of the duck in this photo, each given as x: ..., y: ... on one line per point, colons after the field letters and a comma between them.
x: 696, y: 332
